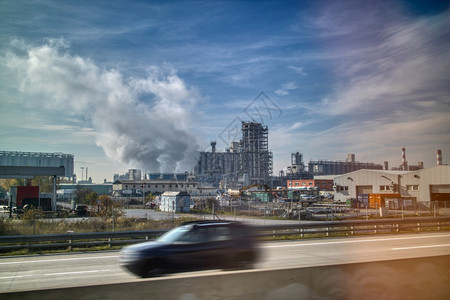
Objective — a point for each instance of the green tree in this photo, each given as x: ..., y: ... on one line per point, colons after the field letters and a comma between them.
x: 150, y: 197
x: 210, y: 202
x: 32, y: 213
x: 6, y: 184
x: 45, y: 183
x: 81, y: 194
x: 91, y: 198
x: 109, y: 208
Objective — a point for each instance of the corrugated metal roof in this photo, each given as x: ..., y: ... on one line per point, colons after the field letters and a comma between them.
x: 174, y: 194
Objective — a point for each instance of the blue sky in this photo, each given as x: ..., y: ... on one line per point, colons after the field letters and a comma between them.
x: 146, y: 84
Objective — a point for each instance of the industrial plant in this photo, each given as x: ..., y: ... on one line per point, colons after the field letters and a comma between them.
x: 246, y: 162
x: 245, y: 171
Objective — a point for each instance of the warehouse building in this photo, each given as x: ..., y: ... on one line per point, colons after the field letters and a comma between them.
x: 136, y: 187
x: 175, y: 202
x: 425, y: 185
x: 320, y: 184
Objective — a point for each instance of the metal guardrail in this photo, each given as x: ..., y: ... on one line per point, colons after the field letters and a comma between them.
x: 352, y: 227
x: 70, y: 240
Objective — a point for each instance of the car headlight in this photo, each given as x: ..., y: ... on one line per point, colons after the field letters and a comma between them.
x: 129, y: 256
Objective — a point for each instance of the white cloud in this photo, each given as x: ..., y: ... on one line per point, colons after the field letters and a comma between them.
x: 155, y: 134
x: 285, y: 88
x: 407, y: 64
x: 296, y: 125
x: 391, y: 92
x: 299, y: 70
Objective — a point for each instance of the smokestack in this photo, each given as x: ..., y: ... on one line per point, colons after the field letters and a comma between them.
x: 213, y: 146
x: 350, y: 157
x: 404, y: 163
x: 439, y: 157
x: 386, y: 165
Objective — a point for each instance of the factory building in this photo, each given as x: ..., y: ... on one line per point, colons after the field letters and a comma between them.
x: 67, y: 191
x: 132, y: 174
x: 175, y: 202
x: 326, y: 167
x: 36, y: 160
x: 425, y: 185
x: 168, y: 176
x: 320, y: 184
x: 246, y: 162
x: 214, y: 166
x: 136, y: 187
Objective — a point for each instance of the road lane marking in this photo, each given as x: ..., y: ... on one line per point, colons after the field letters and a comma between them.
x: 55, y: 274
x: 355, y: 241
x: 77, y: 272
x: 16, y: 276
x: 57, y: 260
x: 419, y: 247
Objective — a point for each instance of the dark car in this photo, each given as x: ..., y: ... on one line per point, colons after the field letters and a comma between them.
x: 194, y: 246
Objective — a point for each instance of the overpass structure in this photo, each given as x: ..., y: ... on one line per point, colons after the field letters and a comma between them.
x: 27, y: 165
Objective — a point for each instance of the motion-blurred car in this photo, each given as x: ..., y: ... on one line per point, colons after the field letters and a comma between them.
x: 195, y: 245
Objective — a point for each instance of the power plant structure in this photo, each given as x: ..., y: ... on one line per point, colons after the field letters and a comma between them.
x: 246, y: 162
x: 255, y: 157
x: 408, y: 167
x: 249, y: 161
x: 327, y: 167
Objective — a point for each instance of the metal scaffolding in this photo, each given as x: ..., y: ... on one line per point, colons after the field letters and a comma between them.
x: 255, y: 157
x: 248, y: 161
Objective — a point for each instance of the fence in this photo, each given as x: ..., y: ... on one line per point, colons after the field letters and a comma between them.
x: 412, y: 208
x: 71, y: 240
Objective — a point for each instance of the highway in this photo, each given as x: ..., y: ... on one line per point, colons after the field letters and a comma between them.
x: 21, y: 273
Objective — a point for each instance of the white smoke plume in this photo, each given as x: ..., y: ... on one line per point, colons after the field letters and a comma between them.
x: 143, y: 122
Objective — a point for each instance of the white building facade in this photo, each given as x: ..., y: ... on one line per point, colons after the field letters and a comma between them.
x: 431, y: 184
x: 175, y: 202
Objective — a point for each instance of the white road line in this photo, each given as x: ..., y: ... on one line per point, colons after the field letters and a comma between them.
x: 78, y: 272
x: 55, y: 274
x: 355, y: 241
x: 17, y: 276
x: 419, y: 247
x: 54, y: 260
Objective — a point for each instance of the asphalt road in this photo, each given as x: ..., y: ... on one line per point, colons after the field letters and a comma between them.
x: 80, y: 269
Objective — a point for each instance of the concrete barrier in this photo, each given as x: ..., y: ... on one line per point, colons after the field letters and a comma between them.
x: 416, y: 278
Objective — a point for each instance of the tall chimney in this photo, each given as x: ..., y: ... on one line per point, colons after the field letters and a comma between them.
x: 404, y: 163
x: 213, y: 146
x: 350, y: 157
x: 439, y: 157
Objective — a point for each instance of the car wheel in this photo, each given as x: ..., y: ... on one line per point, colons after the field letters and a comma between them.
x: 152, y: 268
x: 243, y: 261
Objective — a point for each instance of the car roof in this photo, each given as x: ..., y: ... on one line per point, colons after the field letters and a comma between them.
x: 211, y: 222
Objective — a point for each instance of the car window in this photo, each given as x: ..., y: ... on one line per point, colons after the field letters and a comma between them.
x: 175, y: 234
x: 196, y: 235
x: 220, y: 233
